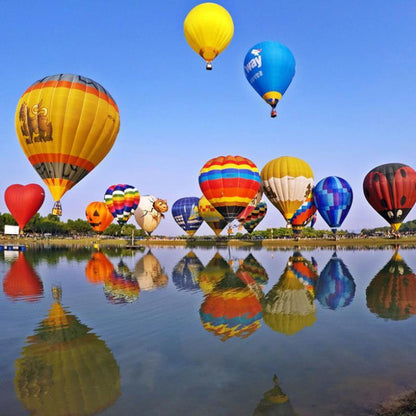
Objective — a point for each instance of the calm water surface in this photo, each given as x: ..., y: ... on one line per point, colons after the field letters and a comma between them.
x: 206, y: 331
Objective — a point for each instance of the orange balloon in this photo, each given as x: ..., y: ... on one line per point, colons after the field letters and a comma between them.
x: 99, y: 268
x: 98, y: 216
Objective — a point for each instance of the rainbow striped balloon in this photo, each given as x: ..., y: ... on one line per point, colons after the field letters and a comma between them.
x: 121, y: 201
x: 229, y: 183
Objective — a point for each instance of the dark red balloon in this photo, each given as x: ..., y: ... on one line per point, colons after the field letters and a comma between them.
x: 24, y: 201
x: 391, y: 190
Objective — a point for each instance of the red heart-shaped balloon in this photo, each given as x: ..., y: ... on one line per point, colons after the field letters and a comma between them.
x: 24, y: 201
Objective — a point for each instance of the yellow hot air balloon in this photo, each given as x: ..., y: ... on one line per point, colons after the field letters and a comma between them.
x: 208, y: 29
x: 66, y: 124
x: 287, y: 181
x: 211, y: 216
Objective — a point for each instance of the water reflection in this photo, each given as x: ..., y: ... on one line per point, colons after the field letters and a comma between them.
x: 64, y: 368
x: 274, y: 403
x: 230, y: 307
x: 254, y: 269
x: 213, y: 273
x: 149, y: 273
x: 392, y: 292
x: 22, y: 281
x: 335, y: 287
x: 288, y: 307
x: 121, y: 287
x: 99, y: 268
x: 185, y: 273
x: 305, y: 270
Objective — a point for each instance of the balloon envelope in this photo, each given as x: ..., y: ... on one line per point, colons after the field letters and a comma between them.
x: 287, y: 181
x: 208, y: 29
x: 185, y: 273
x: 186, y: 214
x: 229, y: 183
x: 269, y: 68
x: 98, y: 216
x: 211, y: 216
x: 149, y: 212
x: 303, y: 215
x: 121, y: 201
x: 333, y: 199
x: 391, y: 190
x: 24, y: 201
x: 255, y: 217
x: 66, y: 124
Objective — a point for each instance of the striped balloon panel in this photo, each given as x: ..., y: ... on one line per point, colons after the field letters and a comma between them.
x: 304, y: 214
x: 122, y: 200
x: 229, y: 183
x: 186, y: 214
x: 305, y: 271
x: 333, y: 199
x: 66, y: 124
x: 287, y: 181
x: 255, y: 217
x: 211, y: 216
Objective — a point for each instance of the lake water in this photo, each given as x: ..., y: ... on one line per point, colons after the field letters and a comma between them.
x: 174, y: 331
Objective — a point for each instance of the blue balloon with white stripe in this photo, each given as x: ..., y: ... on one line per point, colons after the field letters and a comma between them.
x: 333, y: 199
x: 186, y: 214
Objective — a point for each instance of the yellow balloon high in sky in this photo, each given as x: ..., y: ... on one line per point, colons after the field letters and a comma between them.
x: 208, y: 29
x: 66, y: 124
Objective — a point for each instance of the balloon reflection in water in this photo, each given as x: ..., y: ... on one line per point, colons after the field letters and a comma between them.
x: 213, y: 273
x: 335, y: 287
x: 392, y: 292
x: 22, y: 282
x: 288, y: 307
x: 185, y: 273
x: 99, y: 268
x: 274, y: 402
x: 149, y: 273
x: 121, y: 286
x: 254, y: 269
x: 65, y: 369
x: 305, y: 271
x: 231, y: 309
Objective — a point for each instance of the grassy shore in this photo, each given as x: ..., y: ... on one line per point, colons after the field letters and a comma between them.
x: 378, y: 242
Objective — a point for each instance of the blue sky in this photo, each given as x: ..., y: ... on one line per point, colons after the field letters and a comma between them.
x: 350, y: 107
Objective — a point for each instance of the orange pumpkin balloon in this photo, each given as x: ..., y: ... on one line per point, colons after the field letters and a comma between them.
x: 99, y: 268
x: 98, y: 216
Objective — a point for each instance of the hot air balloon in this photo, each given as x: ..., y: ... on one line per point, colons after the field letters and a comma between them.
x: 287, y: 181
x: 229, y: 183
x: 288, y: 307
x: 185, y: 213
x: 122, y: 200
x: 333, y: 199
x: 303, y: 215
x: 392, y: 292
x: 149, y: 212
x: 211, y: 216
x: 213, y: 273
x: 66, y: 369
x: 208, y: 29
x: 24, y: 201
x: 247, y: 210
x: 231, y: 309
x: 391, y: 190
x: 22, y: 282
x: 269, y: 68
x: 255, y: 217
x: 98, y: 216
x: 254, y: 269
x: 335, y: 287
x: 66, y: 124
x: 185, y: 273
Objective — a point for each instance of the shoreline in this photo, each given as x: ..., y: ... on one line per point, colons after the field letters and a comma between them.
x: 268, y: 244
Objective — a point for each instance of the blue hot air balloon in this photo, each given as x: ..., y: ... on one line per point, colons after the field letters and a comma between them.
x: 335, y: 287
x: 333, y: 199
x: 269, y: 68
x: 186, y: 214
